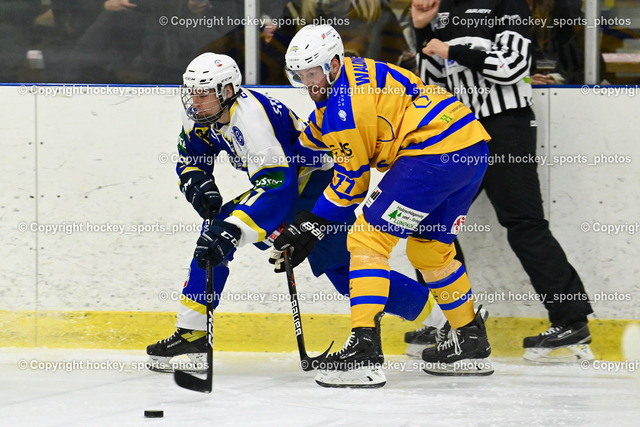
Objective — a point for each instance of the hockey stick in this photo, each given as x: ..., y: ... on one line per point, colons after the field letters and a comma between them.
x: 306, y: 363
x: 184, y: 379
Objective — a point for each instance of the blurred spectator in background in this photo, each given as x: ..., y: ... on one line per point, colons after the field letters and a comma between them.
x: 152, y: 41
x: 16, y: 19
x: 57, y: 31
x: 112, y: 48
x: 272, y: 44
x: 617, y: 39
x: 181, y: 43
x: 369, y: 28
x: 123, y: 41
x: 557, y: 55
x: 73, y: 17
x: 408, y: 59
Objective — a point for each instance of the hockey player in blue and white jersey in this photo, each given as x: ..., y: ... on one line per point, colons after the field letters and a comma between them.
x: 260, y: 136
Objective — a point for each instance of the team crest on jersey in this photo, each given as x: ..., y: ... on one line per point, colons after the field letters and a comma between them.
x: 343, y: 115
x: 457, y: 224
x: 202, y: 132
x: 237, y: 135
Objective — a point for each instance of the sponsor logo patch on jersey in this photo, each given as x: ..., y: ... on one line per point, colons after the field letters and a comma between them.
x: 237, y: 135
x: 273, y: 236
x: 457, y: 224
x: 403, y: 216
x: 373, y: 196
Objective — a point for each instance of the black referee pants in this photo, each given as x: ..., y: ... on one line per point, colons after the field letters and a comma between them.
x: 512, y: 185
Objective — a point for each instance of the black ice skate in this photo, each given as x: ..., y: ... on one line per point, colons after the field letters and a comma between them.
x: 560, y: 344
x: 164, y: 356
x: 464, y: 352
x: 420, y: 339
x: 428, y: 336
x: 358, y: 364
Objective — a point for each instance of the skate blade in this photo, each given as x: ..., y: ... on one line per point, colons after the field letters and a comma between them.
x: 460, y: 368
x: 159, y: 364
x: 357, y: 378
x: 196, y: 363
x: 568, y: 354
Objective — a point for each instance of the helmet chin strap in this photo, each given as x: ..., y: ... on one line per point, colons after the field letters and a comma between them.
x: 337, y: 74
x: 229, y: 101
x: 224, y: 104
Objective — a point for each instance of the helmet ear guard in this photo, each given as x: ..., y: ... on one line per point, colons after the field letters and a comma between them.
x: 210, y: 72
x: 313, y: 46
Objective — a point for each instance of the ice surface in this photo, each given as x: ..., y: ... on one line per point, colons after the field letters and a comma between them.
x: 110, y: 388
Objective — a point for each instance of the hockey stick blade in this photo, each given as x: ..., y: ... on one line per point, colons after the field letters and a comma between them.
x: 310, y: 363
x: 191, y: 382
x: 184, y: 379
x: 306, y: 363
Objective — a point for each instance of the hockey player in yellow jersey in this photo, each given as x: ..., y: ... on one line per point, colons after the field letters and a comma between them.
x: 371, y: 114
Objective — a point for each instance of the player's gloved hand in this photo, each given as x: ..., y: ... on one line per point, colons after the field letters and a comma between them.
x: 201, y: 192
x: 218, y: 240
x: 301, y: 236
x: 277, y: 259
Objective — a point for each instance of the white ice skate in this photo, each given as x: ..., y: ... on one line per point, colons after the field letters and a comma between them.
x: 358, y: 364
x: 356, y: 378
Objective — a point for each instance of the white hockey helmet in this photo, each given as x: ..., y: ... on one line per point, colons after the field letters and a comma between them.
x: 210, y: 71
x: 313, y: 46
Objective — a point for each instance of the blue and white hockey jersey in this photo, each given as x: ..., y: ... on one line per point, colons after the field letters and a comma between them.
x: 261, y: 139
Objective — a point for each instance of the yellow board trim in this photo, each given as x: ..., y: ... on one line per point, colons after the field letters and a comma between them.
x: 259, y: 332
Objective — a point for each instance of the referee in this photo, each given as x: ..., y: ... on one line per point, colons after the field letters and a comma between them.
x: 480, y: 50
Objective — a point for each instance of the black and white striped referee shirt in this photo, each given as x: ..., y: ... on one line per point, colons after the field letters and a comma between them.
x: 489, y: 54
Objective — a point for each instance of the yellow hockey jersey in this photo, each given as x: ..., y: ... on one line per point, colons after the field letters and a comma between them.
x: 377, y: 112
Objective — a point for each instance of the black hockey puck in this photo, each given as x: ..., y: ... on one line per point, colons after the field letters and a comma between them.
x: 153, y: 414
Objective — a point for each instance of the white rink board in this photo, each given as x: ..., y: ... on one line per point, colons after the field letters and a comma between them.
x: 108, y: 159
x: 594, y: 206
x: 17, y: 201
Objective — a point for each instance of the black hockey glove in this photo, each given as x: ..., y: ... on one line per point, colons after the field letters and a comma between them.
x: 216, y: 241
x: 201, y: 192
x: 300, y: 237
